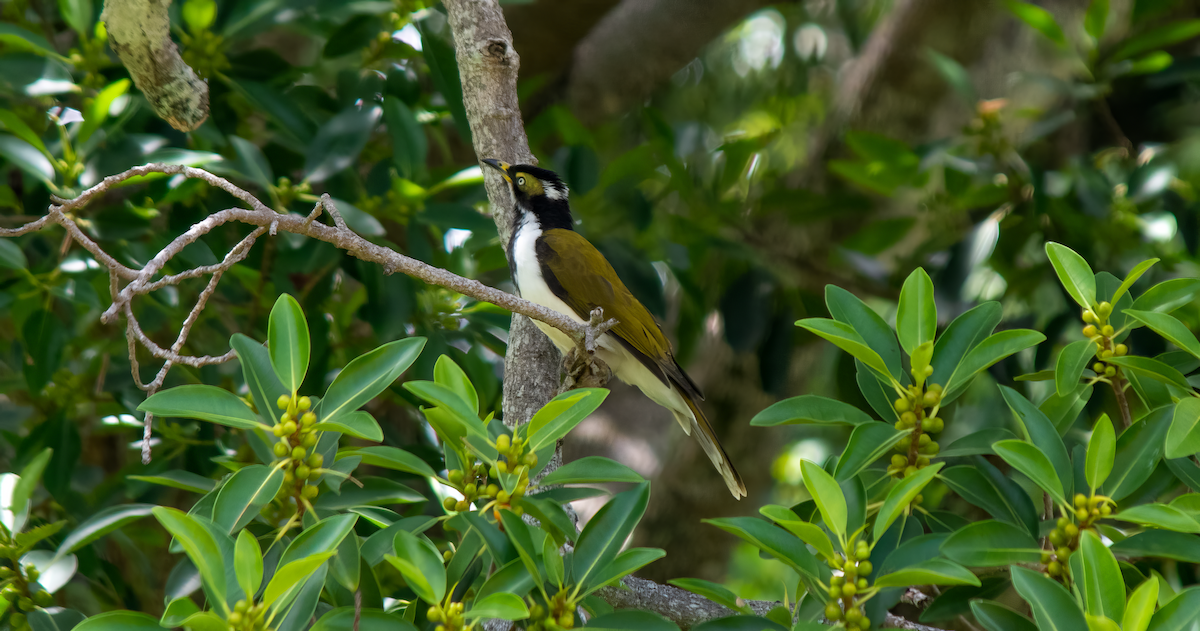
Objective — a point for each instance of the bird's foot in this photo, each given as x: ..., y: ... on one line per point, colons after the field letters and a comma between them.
x: 582, y: 369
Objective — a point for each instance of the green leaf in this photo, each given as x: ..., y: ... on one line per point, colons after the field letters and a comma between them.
x: 1180, y: 614
x: 179, y: 479
x: 988, y: 352
x: 199, y: 14
x: 11, y: 256
x: 976, y: 443
x: 499, y: 606
x: 1183, y: 437
x: 592, y: 469
x: 390, y: 458
x: 1168, y: 295
x: 868, y: 443
x: 811, y: 534
x: 1161, y: 37
x: 1100, y: 623
x: 100, y: 524
x: 631, y: 620
x: 199, y: 401
x: 512, y: 578
x: 553, y: 562
x: 963, y: 334
x: 285, y: 585
x: 344, y: 618
x: 178, y: 610
x: 325, y: 536
x: 359, y: 424
x: 199, y: 545
x: 710, y: 590
x: 367, y: 375
x: 996, y: 617
x: 1071, y: 362
x: 18, y: 39
x: 245, y: 494
x: 828, y: 496
x: 932, y: 572
x: 626, y: 563
x: 1031, y: 461
x: 30, y: 476
x: 77, y: 14
x: 261, y: 380
x: 1160, y: 516
x: 421, y: 564
x: 451, y: 418
x: 339, y: 141
x: 1062, y: 411
x: 1139, y: 269
x: 1102, y: 586
x: 810, y: 409
x: 902, y: 494
x: 1154, y: 369
x: 991, y: 543
x: 1074, y: 273
x: 771, y: 540
x: 1139, y: 449
x: 606, y: 532
x: 409, y: 145
x: 346, y: 566
x: 1043, y: 22
x: 97, y: 112
x: 846, y: 338
x: 1101, y: 449
x: 848, y: 309
x: 288, y: 342
x: 1053, y: 607
x: 1041, y: 432
x: 13, y: 123
x: 561, y: 414
x: 248, y: 563
x: 119, y: 621
x: 521, y: 539
x: 1169, y: 327
x: 26, y: 157
x: 1140, y: 608
x: 916, y: 315
x: 449, y: 374
x: 1160, y: 543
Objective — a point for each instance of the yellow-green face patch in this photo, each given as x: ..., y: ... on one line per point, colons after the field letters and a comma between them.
x: 528, y: 184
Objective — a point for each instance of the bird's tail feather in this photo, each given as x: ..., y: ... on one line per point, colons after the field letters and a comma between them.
x: 716, y: 453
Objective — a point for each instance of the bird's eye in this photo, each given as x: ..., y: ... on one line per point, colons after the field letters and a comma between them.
x: 520, y: 181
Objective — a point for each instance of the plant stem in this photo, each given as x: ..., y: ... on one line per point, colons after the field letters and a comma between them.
x: 1118, y: 386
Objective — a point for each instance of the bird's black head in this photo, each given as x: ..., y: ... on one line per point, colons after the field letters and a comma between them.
x: 536, y: 191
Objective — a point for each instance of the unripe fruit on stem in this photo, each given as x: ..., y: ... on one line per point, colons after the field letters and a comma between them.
x: 1105, y: 354
x: 503, y: 442
x: 310, y: 440
x: 1054, y: 569
x: 302, y: 471
x: 281, y: 449
x: 1090, y: 331
x: 289, y: 427
x: 308, y: 420
x: 1110, y: 372
x: 283, y: 401
x: 833, y: 613
x: 277, y: 430
x: 1107, y: 330
x: 1098, y: 367
x: 1071, y: 531
x: 931, y: 399
x: 304, y: 403
x: 849, y: 589
x: 1062, y: 552
x: 1082, y: 514
x: 864, y: 568
x: 1080, y: 500
x: 1104, y: 309
x: 298, y: 453
x: 835, y: 591
x: 449, y: 503
x: 899, y: 461
x: 923, y: 440
x: 434, y: 614
x: 310, y: 491
x: 462, y: 506
x: 455, y: 476
x: 1120, y: 350
x: 853, y: 614
x: 901, y: 405
x: 316, y: 460
x: 909, y: 470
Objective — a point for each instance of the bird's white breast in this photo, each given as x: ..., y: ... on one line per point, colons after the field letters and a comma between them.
x: 532, y: 285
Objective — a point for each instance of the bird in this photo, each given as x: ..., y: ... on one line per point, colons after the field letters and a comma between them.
x: 556, y: 267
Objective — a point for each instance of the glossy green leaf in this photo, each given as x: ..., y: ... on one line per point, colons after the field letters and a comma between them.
x: 606, y: 532
x: 245, y: 494
x: 626, y: 563
x: 26, y: 157
x: 1101, y: 583
x: 809, y: 533
x: 849, y: 309
x: 1031, y: 461
x: 261, y: 380
x: 991, y: 543
x: 1043, y: 22
x: 100, y: 524
x: 916, y: 315
x: 179, y: 479
x: 14, y: 124
x: 1181, y: 614
x: 996, y: 617
x: 987, y: 353
x: 1159, y: 543
x: 1071, y: 362
x: 1152, y: 368
x: 1160, y: 516
x: 810, y: 409
x: 710, y: 590
x: 1053, y: 607
x: 1139, y: 269
x: 359, y: 424
x: 421, y: 565
x: 288, y: 342
x: 339, y: 141
x: 963, y: 334
x: 931, y: 572
x: 828, y: 496
x: 199, y: 401
x: 902, y: 494
x: 1169, y: 327
x: 1168, y: 295
x: 390, y: 458
x: 248, y: 562
x: 1140, y: 607
x: 199, y: 545
x: 868, y: 442
x: 984, y: 486
x: 367, y: 375
x: 771, y: 540
x: 11, y: 256
x: 498, y: 606
x: 591, y: 469
x: 119, y: 621
x: 631, y: 620
x: 449, y: 374
x: 1171, y: 33
x: 1183, y: 436
x: 1073, y: 272
x: 452, y: 418
x: 553, y: 562
x: 561, y: 414
x: 976, y: 443
x: 1101, y: 450
x: 520, y: 536
x: 344, y: 618
x: 285, y: 585
x: 1042, y: 433
x: 846, y: 338
x: 1100, y: 623
x: 1139, y: 449
x: 31, y: 475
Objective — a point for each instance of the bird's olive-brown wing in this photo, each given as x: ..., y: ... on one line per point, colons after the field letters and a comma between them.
x: 580, y: 275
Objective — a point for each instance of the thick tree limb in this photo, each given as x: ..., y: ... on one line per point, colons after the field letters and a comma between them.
x: 139, y: 31
x: 638, y: 45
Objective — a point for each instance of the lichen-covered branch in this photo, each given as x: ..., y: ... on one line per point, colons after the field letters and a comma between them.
x: 139, y: 31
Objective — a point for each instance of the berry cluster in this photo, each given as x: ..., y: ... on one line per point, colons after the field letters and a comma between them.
x: 558, y: 614
x: 448, y: 618
x: 1065, y: 536
x: 1099, y: 331
x: 918, y: 447
x: 296, y: 437
x: 247, y: 616
x: 20, y: 599
x: 855, y: 567
x: 473, y: 482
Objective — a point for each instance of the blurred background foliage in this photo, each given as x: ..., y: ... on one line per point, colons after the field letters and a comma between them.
x: 829, y: 141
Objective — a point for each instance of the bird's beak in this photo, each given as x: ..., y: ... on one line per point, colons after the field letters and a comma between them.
x: 502, y: 167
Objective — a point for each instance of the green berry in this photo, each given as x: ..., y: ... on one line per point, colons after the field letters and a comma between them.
x: 1056, y: 537
x: 289, y: 427
x: 304, y: 403
x: 310, y: 440
x: 492, y: 490
x: 864, y: 568
x: 234, y: 619
x: 462, y: 506
x: 1121, y: 350
x: 434, y: 614
x: 1054, y: 569
x: 302, y: 471
x: 1090, y: 331
x: 1104, y: 309
x: 277, y: 430
x: 849, y: 589
x: 1071, y: 531
x: 833, y: 613
x: 1107, y: 330
x: 503, y: 442
x: 835, y: 591
x: 449, y: 503
x: 899, y: 461
x: 298, y: 453
x: 902, y: 405
x: 1080, y: 500
x: 1062, y: 552
x: 1110, y: 371
x: 283, y: 401
x: 455, y: 476
x: 931, y: 399
x: 308, y: 420
x: 316, y: 460
x: 281, y: 449
x: 923, y: 440
x: 853, y: 614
